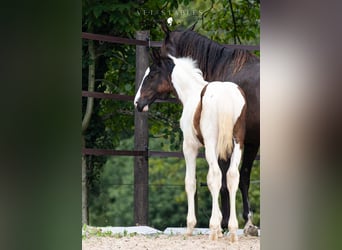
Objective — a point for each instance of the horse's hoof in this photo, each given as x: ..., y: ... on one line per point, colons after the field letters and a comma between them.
x: 233, y: 238
x: 189, y: 231
x: 220, y: 234
x: 215, y: 232
x: 251, y: 230
x: 213, y: 236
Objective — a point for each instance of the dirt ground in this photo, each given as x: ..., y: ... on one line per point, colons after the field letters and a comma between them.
x: 167, y: 242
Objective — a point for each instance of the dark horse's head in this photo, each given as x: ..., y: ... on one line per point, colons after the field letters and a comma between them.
x: 156, y: 83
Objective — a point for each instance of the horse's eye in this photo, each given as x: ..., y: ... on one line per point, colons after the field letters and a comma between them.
x: 152, y: 75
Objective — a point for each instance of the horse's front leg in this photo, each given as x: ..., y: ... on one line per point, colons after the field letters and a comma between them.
x: 233, y: 183
x: 190, y: 151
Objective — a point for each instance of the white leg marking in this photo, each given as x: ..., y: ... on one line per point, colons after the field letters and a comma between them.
x: 232, y: 184
x: 190, y: 154
x: 214, y: 185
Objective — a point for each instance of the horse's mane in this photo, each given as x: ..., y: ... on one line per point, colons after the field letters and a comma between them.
x: 214, y: 59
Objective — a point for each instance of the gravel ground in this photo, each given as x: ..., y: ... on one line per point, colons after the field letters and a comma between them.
x: 167, y: 242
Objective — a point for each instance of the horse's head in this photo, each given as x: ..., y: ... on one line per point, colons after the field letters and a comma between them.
x: 156, y: 82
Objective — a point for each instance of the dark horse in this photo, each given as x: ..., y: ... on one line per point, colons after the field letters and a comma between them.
x: 219, y: 63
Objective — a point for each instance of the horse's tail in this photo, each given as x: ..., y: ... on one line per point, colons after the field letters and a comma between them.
x: 225, y: 132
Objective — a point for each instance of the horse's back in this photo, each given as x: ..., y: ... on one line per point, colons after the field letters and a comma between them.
x: 221, y: 99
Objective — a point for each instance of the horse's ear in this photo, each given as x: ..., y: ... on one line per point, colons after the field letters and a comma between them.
x: 164, y: 27
x: 192, y: 27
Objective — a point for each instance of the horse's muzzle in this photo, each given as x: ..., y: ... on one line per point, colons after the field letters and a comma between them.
x: 141, y: 107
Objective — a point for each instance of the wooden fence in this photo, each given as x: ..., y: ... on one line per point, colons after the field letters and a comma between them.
x: 141, y: 152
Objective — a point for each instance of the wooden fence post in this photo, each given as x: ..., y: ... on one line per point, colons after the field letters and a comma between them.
x: 141, y: 139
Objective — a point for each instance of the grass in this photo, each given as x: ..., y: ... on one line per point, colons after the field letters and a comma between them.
x: 88, y: 231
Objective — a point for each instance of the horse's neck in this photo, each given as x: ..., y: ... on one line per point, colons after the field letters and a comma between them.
x: 187, y: 85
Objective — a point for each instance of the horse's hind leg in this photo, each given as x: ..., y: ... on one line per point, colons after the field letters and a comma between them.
x: 250, y: 151
x: 190, y: 153
x: 233, y: 183
x: 214, y: 185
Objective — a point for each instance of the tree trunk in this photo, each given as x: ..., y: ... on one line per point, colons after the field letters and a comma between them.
x: 85, y: 124
x: 84, y: 191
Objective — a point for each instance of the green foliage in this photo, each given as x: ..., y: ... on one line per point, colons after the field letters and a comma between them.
x: 164, y: 123
x: 166, y: 197
x: 242, y: 27
x: 114, y: 203
x: 119, y: 79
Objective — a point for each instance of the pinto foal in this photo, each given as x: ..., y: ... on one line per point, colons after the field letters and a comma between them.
x: 214, y: 116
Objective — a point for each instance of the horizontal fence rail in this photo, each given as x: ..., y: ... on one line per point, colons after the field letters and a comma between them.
x: 121, y: 40
x: 95, y: 151
x: 148, y: 153
x: 120, y: 97
x: 149, y: 43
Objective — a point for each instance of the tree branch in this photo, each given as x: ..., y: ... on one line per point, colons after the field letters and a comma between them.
x: 206, y: 12
x: 236, y: 37
x: 91, y: 85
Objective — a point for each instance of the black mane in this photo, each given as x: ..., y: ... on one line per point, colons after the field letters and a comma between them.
x: 215, y: 60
